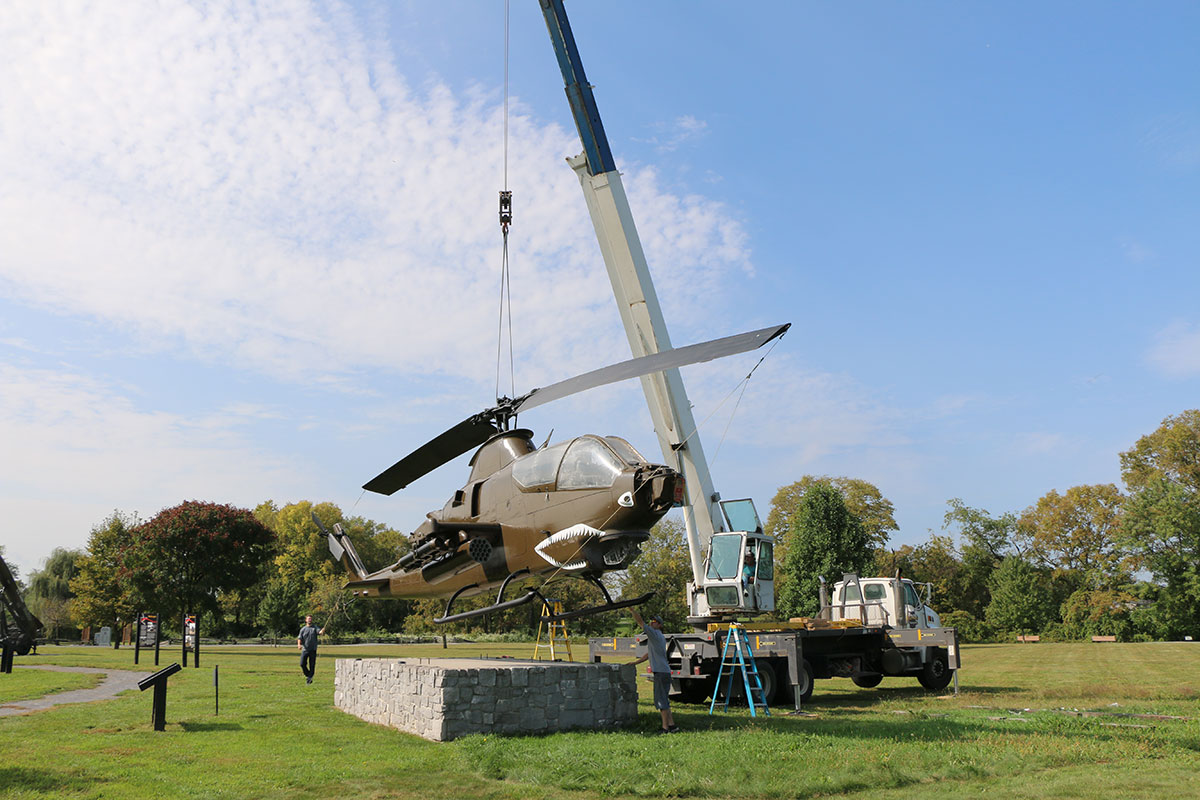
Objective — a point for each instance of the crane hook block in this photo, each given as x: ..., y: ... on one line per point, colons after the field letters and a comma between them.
x: 505, y: 209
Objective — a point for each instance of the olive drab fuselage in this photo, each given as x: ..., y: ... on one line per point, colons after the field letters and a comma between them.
x: 578, y: 508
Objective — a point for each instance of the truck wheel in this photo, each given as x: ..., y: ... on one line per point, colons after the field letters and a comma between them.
x: 804, y: 689
x: 766, y: 675
x: 936, y: 674
x: 868, y: 681
x: 695, y: 691
x: 770, y: 684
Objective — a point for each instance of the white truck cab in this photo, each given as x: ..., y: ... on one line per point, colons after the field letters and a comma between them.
x: 895, y: 602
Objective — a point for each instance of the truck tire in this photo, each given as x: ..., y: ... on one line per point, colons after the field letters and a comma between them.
x: 936, y: 674
x: 804, y: 689
x: 695, y: 690
x: 867, y: 680
x: 769, y: 680
x: 766, y: 675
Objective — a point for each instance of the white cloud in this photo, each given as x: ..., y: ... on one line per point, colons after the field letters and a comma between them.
x: 253, y: 184
x: 670, y: 135
x: 77, y: 447
x: 1176, y: 350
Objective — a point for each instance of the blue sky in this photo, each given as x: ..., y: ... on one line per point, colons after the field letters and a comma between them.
x: 248, y: 251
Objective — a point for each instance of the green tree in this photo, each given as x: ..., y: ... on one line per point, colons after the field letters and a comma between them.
x: 302, y: 569
x: 1076, y: 534
x: 825, y: 540
x: 1172, y: 453
x: 985, y: 541
x: 1022, y: 597
x: 49, y: 595
x: 862, y: 498
x: 1161, y: 529
x: 101, y: 597
x: 185, y: 556
x: 939, y: 563
x: 1161, y: 523
x: 1098, y: 612
x: 664, y: 568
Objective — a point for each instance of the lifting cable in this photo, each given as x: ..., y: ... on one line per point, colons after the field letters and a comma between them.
x: 505, y: 222
x: 744, y: 383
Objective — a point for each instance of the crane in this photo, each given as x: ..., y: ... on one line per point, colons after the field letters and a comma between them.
x: 724, y: 537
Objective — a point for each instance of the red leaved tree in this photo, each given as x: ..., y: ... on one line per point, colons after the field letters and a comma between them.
x: 186, y: 555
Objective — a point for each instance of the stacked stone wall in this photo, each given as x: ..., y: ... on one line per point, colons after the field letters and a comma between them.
x: 445, y: 698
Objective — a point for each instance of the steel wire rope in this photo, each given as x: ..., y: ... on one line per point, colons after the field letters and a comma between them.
x: 505, y: 221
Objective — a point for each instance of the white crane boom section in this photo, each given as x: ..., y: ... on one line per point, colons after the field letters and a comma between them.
x: 642, y: 317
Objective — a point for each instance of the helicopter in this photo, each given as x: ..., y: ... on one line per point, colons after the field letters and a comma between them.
x: 578, y: 508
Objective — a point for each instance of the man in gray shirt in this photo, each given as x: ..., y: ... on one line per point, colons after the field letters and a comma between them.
x: 660, y: 668
x: 306, y: 643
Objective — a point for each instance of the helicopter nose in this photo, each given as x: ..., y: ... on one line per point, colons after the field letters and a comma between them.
x: 665, y: 487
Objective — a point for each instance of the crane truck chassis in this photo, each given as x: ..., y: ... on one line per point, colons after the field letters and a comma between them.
x: 790, y: 658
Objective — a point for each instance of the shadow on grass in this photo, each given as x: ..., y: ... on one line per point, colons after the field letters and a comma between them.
x: 848, y: 701
x: 198, y: 727
x: 21, y: 778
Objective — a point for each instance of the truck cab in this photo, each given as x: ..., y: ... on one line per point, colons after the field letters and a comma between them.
x: 739, y: 570
x: 893, y: 602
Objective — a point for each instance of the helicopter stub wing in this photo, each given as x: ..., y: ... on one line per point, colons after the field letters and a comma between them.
x: 656, y: 362
x: 466, y: 435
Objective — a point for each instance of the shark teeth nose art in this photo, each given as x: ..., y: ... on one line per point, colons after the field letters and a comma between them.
x: 563, y: 549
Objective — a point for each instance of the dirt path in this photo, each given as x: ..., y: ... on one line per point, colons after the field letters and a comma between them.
x: 115, y: 681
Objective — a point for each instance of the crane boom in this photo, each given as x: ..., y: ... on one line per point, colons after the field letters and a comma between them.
x: 633, y: 288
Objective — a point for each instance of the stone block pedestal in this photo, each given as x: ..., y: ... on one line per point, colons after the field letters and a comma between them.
x: 444, y: 698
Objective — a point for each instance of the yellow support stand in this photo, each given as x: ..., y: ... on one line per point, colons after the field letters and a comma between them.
x: 554, y: 630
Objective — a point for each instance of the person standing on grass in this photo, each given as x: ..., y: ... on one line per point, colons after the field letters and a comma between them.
x: 660, y: 668
x: 306, y: 643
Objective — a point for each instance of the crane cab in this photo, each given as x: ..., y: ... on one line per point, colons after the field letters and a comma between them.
x: 739, y: 571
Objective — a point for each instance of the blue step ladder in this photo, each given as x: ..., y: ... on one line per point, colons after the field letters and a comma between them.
x: 742, y: 659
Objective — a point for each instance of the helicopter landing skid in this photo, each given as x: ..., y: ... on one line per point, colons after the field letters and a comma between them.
x: 609, y: 604
x: 499, y: 605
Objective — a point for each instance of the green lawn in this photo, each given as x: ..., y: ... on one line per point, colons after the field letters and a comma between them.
x: 1018, y: 728
x: 26, y: 684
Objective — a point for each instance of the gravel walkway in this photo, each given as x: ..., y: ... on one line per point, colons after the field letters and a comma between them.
x: 115, y: 681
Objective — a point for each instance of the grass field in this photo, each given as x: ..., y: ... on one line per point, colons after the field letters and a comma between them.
x: 1030, y: 721
x: 26, y: 684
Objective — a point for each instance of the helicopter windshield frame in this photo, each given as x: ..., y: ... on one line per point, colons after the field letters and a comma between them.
x: 585, y: 462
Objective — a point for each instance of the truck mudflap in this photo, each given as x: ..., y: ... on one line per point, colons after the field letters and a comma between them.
x: 928, y: 637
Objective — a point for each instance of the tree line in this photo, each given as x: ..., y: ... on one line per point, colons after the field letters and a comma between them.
x: 1092, y: 560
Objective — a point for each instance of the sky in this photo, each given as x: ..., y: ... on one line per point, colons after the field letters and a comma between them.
x: 249, y: 251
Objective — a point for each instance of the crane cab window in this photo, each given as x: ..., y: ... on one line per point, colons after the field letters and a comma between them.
x: 766, y: 561
x: 589, y: 464
x: 537, y: 470
x: 725, y: 558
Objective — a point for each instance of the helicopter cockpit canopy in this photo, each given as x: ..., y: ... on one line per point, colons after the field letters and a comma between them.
x: 586, y: 462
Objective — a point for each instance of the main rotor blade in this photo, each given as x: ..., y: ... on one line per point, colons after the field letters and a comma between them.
x: 655, y: 362
x: 466, y: 435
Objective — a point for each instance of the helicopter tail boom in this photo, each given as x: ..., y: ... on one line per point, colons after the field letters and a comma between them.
x: 342, y: 549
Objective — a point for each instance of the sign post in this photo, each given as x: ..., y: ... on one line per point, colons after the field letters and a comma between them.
x: 191, y: 639
x: 146, y: 635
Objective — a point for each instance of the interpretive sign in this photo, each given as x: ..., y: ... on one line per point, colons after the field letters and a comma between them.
x: 146, y: 635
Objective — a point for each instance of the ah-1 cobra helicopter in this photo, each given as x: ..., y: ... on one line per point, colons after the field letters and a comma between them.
x: 579, y: 508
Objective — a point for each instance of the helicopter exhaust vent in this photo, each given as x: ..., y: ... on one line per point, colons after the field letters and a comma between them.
x: 565, y: 548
